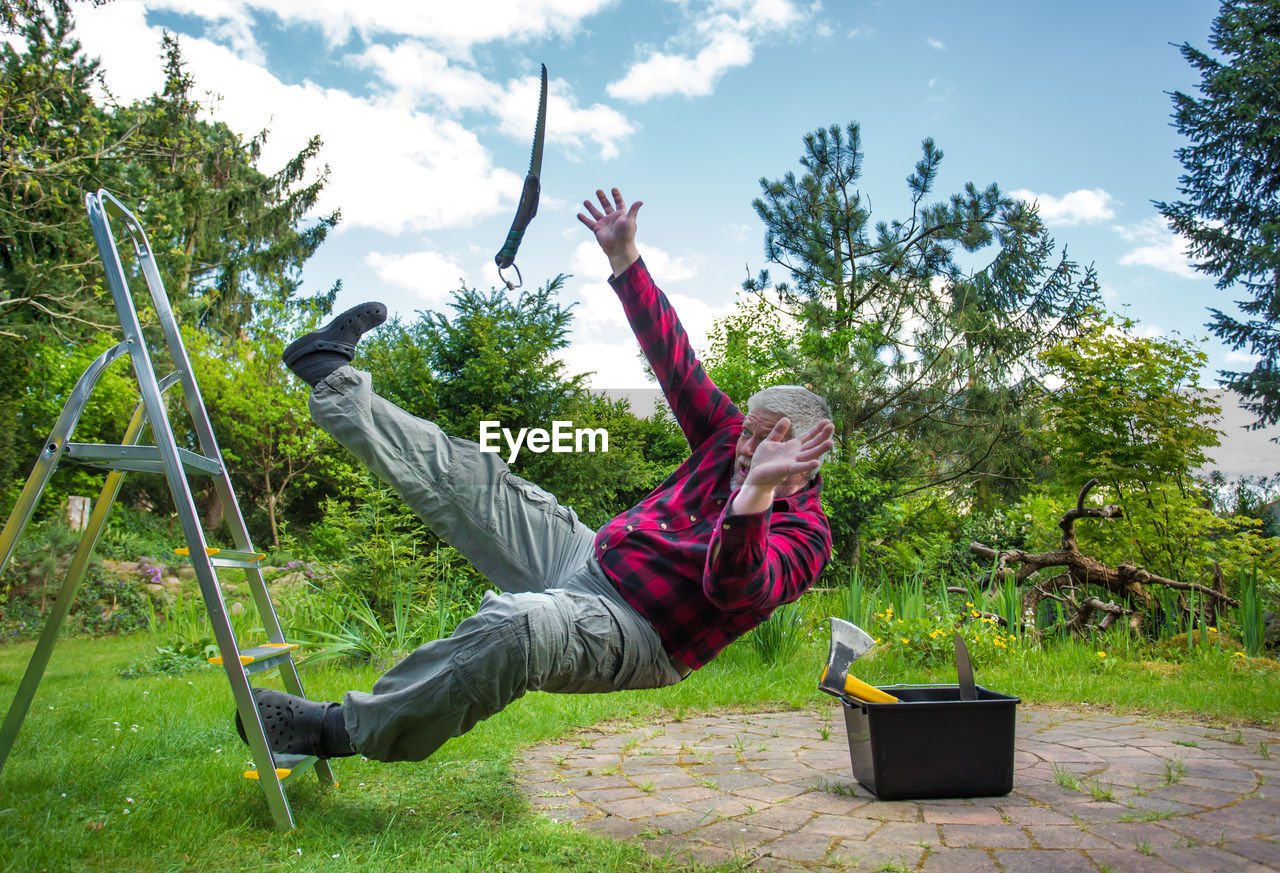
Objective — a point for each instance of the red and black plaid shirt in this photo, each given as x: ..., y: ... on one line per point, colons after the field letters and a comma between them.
x: 658, y: 553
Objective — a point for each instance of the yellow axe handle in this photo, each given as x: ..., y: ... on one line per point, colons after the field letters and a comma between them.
x: 859, y: 690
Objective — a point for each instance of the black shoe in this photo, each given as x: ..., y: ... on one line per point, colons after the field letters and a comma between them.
x: 314, y: 356
x: 297, y: 726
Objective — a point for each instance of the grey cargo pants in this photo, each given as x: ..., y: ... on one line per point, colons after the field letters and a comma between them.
x: 560, y: 625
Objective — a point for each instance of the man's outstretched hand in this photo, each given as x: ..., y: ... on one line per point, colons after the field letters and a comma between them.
x: 782, y: 466
x: 614, y: 225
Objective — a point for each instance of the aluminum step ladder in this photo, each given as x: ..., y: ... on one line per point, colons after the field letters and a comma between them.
x: 176, y: 465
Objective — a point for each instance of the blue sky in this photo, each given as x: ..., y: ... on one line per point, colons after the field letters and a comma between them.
x: 426, y: 110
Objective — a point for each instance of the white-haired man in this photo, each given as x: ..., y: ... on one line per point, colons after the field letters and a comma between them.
x: 734, y: 532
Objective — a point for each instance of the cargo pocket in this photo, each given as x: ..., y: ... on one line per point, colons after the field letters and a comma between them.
x: 544, y: 501
x: 593, y: 654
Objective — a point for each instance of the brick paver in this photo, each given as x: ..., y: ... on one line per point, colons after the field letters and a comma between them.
x: 1091, y: 792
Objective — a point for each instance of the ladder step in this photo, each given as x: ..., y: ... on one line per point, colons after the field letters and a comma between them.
x: 288, y: 767
x: 262, y: 657
x: 138, y: 459
x: 228, y: 557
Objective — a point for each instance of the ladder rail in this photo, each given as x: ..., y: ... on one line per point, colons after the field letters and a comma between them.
x: 97, y: 205
x: 168, y: 458
x: 52, y: 451
x: 208, y: 442
x: 193, y: 399
x: 67, y: 593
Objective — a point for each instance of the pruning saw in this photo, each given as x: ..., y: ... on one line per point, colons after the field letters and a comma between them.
x: 528, y: 207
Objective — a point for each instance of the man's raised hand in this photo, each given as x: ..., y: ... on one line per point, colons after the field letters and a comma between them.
x: 785, y: 464
x: 614, y: 226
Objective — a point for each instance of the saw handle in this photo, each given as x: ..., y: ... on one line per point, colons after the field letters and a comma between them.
x: 525, y: 212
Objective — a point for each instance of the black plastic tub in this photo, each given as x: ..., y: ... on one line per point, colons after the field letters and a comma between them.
x: 933, y: 744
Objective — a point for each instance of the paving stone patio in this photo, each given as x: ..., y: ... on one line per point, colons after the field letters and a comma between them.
x: 1092, y: 792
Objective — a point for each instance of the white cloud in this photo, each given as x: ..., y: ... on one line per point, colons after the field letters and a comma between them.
x: 863, y: 31
x: 662, y: 74
x: 574, y: 126
x: 720, y: 36
x: 1238, y: 358
x: 611, y: 365
x: 433, y: 276
x: 937, y: 44
x: 1163, y: 250
x: 416, y: 73
x: 420, y: 76
x: 600, y: 310
x: 1077, y: 207
x: 229, y: 22
x: 666, y: 267
x: 455, y: 27
x: 393, y: 167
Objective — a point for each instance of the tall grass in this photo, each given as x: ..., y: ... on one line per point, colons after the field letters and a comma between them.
x: 781, y: 635
x: 855, y: 606
x: 1249, y: 614
x: 908, y: 598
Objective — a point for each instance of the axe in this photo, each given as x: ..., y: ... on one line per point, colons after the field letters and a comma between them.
x: 849, y: 643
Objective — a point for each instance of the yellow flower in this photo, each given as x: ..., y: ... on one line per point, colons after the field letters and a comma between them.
x: 1213, y: 630
x: 968, y: 604
x: 904, y: 639
x: 1102, y: 654
x: 975, y: 613
x: 1240, y: 654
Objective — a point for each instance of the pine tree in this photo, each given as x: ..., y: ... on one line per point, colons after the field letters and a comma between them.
x: 920, y: 332
x: 1231, y: 213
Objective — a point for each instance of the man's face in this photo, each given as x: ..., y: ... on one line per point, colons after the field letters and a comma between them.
x: 755, y: 430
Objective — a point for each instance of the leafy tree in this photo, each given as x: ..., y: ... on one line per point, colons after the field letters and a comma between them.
x: 749, y: 349
x: 495, y: 359
x: 1231, y: 213
x: 225, y: 234
x: 55, y: 143
x: 1130, y: 412
x: 921, y: 332
x: 1249, y: 496
x: 228, y: 235
x: 259, y: 414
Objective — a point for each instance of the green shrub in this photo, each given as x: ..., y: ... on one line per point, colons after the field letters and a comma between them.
x: 781, y: 635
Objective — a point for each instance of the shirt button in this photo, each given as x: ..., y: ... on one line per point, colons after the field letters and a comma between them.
x: 693, y: 518
x: 724, y: 527
x: 663, y: 525
x: 631, y: 527
x: 720, y: 501
x: 604, y: 546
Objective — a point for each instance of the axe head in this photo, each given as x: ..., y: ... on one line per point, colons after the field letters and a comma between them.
x: 848, y: 643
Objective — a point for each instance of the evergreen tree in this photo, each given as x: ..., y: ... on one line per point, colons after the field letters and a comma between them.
x: 55, y: 144
x: 225, y: 234
x: 1231, y: 213
x: 230, y: 233
x: 923, y: 346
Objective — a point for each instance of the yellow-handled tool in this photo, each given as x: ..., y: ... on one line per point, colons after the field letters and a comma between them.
x: 849, y: 643
x: 859, y: 690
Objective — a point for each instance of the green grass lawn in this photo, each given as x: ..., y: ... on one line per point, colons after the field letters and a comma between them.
x: 145, y: 774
